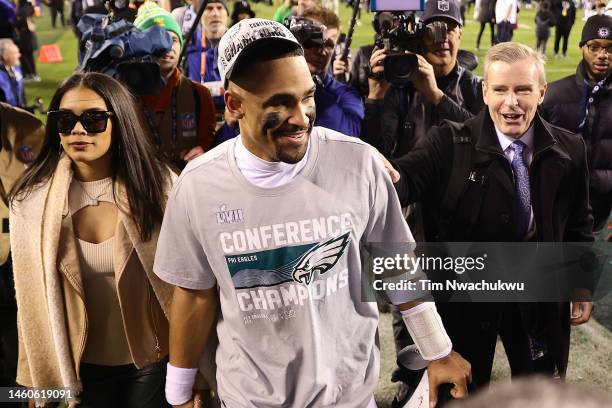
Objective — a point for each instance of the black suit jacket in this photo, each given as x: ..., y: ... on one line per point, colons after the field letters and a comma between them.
x: 560, y: 202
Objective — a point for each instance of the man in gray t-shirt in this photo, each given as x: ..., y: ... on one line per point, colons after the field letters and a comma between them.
x: 283, y: 261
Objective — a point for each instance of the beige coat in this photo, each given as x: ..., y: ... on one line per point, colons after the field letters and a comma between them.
x: 21, y: 136
x: 52, y: 319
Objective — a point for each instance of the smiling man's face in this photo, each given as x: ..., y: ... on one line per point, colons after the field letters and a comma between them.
x: 512, y: 93
x: 277, y: 109
x: 443, y: 56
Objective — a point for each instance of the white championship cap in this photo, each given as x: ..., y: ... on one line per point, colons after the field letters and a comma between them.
x: 251, y: 34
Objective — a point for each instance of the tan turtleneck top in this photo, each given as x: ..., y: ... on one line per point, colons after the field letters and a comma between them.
x: 106, y: 340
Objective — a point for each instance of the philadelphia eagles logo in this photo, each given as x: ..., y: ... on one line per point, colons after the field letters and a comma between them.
x: 320, y: 258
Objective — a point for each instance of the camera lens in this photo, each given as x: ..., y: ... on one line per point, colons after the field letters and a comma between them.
x: 115, y: 51
x: 400, y: 68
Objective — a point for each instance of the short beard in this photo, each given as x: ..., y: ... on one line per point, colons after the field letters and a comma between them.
x: 275, y: 123
x: 599, y: 77
x: 292, y: 157
x: 596, y: 77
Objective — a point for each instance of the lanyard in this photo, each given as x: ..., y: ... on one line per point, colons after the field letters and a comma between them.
x: 151, y: 122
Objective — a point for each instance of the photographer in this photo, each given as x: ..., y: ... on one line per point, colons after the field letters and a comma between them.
x: 397, y: 116
x: 181, y: 116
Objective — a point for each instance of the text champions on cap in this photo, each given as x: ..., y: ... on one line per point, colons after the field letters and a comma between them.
x: 249, y: 32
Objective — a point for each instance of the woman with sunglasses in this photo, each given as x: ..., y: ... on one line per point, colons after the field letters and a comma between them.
x: 85, y: 218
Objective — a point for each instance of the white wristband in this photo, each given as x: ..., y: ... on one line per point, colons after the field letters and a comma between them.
x: 426, y: 329
x: 179, y: 384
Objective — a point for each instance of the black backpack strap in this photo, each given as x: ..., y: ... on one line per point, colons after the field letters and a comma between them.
x: 462, y: 160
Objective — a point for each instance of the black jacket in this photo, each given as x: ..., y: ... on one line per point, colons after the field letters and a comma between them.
x: 559, y: 185
x: 394, y: 124
x: 360, y: 70
x: 565, y: 105
x: 559, y: 194
x: 564, y: 21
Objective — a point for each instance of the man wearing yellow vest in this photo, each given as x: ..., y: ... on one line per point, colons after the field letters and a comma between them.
x: 181, y: 116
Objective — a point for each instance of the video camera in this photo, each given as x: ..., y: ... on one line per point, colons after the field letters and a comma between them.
x: 115, y: 47
x: 400, y: 31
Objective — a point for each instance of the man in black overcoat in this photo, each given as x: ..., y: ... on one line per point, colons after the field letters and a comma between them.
x: 525, y: 180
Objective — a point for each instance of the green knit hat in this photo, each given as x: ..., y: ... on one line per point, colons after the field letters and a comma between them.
x: 150, y: 13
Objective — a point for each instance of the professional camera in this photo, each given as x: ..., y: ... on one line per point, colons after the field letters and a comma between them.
x: 115, y: 47
x: 401, y: 32
x: 307, y: 32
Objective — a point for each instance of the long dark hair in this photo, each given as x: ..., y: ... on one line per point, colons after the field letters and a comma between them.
x: 134, y: 159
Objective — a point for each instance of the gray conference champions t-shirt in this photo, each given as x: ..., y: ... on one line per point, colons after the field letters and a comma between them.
x: 293, y: 330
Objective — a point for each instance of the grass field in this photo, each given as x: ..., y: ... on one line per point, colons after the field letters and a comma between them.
x: 591, y: 355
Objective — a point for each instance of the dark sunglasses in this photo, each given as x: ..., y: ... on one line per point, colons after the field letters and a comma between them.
x: 93, y: 121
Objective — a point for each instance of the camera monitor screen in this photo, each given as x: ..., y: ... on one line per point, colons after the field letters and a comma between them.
x: 397, y: 5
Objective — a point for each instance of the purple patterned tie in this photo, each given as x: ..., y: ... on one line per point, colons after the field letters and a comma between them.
x: 521, y: 187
